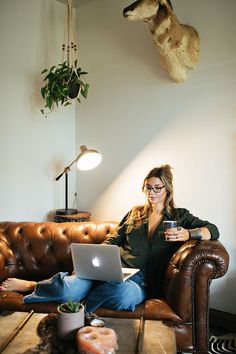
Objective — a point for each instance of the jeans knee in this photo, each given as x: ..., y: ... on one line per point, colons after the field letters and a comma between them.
x: 126, y: 298
x: 122, y: 303
x: 76, y: 289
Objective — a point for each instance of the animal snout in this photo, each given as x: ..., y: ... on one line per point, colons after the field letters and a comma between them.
x: 125, y: 14
x: 129, y: 9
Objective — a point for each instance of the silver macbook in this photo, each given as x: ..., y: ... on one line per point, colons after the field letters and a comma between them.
x: 99, y: 262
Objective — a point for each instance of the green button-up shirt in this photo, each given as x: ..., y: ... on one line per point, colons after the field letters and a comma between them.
x: 137, y: 248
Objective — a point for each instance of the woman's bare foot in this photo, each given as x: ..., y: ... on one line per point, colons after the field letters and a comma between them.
x: 14, y: 284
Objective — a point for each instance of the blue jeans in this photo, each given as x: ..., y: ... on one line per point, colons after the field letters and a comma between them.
x: 118, y: 296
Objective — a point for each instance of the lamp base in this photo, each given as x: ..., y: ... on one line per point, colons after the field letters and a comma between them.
x: 66, y: 211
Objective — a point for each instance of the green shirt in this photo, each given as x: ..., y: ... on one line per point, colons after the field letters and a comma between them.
x: 137, y: 249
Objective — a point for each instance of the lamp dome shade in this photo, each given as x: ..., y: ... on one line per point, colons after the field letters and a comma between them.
x: 88, y: 159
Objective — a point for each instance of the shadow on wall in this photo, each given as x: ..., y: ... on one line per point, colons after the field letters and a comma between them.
x: 138, y: 112
x: 133, y: 44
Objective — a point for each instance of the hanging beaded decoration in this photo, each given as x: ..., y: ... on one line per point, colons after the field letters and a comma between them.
x: 69, y: 46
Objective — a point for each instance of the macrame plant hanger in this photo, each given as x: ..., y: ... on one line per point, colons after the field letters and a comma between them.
x: 69, y: 46
x: 64, y: 83
x: 70, y: 56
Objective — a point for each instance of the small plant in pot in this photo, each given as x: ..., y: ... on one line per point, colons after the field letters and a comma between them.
x: 70, y: 307
x: 70, y: 319
x: 63, y: 84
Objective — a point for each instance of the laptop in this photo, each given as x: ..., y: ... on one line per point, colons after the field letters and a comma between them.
x: 99, y: 262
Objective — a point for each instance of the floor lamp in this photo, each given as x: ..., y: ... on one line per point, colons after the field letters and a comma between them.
x: 86, y: 160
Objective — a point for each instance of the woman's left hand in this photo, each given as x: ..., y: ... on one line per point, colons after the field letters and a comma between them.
x: 176, y: 234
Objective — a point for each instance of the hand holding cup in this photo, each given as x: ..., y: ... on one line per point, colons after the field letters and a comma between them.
x: 173, y: 232
x: 168, y: 227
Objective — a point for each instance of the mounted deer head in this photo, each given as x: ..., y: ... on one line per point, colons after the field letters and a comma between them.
x: 178, y: 44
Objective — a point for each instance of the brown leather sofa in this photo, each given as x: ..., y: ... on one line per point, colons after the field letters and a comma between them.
x: 34, y: 250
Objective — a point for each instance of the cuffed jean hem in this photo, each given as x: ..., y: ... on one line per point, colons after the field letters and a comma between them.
x: 60, y: 288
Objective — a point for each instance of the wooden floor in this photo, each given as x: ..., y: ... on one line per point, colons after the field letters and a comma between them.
x: 17, y: 333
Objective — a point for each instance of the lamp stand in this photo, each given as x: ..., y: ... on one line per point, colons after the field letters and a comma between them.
x: 66, y: 211
x: 88, y: 159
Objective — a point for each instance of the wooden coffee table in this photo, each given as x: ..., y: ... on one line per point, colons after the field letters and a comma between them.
x: 36, y: 333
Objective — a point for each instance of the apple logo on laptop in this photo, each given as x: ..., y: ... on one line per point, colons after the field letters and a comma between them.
x: 96, y: 262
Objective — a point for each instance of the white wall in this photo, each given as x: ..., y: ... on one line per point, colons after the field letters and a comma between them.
x: 134, y: 115
x: 34, y: 149
x: 138, y: 118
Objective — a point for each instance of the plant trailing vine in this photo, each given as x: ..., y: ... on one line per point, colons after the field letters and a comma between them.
x: 64, y: 83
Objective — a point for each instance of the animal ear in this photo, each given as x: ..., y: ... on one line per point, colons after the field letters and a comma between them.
x: 166, y: 3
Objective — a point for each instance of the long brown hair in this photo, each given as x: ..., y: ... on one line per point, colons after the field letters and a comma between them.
x: 139, y: 214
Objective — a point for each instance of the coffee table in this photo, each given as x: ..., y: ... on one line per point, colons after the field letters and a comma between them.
x: 36, y: 333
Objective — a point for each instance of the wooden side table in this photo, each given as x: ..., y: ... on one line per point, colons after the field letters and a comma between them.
x: 80, y: 216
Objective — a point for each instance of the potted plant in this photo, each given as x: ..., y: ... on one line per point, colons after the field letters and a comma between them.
x: 70, y: 319
x: 63, y: 84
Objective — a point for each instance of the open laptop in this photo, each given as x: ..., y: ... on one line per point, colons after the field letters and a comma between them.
x: 99, y: 262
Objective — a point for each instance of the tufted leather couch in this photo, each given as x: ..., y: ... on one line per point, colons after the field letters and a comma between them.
x: 33, y: 250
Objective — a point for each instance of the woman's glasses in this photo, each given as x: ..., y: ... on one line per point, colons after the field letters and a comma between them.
x: 147, y: 188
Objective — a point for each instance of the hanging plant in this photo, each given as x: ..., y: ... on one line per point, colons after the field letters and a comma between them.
x: 64, y: 83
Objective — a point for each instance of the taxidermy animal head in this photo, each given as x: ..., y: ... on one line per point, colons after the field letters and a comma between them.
x: 178, y: 44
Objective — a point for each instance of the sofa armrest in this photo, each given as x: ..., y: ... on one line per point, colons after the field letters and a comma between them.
x: 189, y: 274
x: 8, y: 261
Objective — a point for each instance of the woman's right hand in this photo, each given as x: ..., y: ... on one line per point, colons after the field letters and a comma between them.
x: 176, y: 234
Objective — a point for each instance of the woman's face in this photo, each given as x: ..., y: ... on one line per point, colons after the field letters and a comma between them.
x: 155, y: 190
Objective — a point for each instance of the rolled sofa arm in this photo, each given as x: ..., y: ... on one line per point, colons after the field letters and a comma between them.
x: 189, y: 274
x: 7, y: 259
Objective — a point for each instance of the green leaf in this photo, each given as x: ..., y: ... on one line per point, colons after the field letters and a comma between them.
x: 84, y: 91
x: 70, y: 307
x: 48, y: 76
x: 43, y: 92
x: 53, y: 67
x: 49, y: 102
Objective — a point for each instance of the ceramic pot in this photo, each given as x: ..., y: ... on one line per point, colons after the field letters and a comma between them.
x: 69, y: 323
x: 74, y: 91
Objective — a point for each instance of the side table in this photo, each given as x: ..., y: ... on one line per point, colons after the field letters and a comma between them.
x: 80, y: 216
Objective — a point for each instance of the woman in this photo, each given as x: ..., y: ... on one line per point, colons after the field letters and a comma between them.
x: 143, y: 244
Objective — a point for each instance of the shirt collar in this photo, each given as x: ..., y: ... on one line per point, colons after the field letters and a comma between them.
x: 167, y: 214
